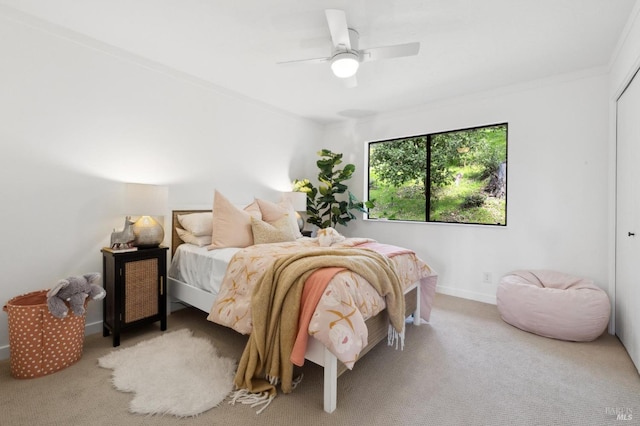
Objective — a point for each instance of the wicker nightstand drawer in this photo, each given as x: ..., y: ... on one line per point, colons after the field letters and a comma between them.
x: 135, y: 283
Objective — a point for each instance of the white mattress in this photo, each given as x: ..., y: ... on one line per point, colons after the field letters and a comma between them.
x: 200, y: 267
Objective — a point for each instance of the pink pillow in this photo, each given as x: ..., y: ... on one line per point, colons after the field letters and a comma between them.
x: 231, y: 225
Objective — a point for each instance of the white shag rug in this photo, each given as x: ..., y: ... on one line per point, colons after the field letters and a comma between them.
x: 175, y: 373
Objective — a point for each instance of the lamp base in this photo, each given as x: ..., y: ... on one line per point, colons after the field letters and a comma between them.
x: 148, y: 233
x: 300, y: 221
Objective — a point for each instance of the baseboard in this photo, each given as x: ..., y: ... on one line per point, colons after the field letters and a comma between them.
x: 4, y: 352
x: 91, y: 328
x: 96, y: 327
x: 466, y: 294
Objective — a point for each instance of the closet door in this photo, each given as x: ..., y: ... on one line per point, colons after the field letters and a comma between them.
x: 628, y: 220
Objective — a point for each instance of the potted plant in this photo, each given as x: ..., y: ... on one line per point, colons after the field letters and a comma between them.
x: 326, y: 204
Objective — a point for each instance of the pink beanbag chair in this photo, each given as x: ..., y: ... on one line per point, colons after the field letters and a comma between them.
x: 553, y: 304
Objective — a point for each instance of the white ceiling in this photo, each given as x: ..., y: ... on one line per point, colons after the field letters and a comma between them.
x: 466, y: 45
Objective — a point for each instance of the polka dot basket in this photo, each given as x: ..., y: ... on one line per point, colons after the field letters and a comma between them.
x: 39, y: 343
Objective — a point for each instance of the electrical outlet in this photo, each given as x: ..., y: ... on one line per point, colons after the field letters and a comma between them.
x: 487, y: 278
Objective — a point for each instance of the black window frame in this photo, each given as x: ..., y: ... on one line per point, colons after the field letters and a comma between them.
x: 428, y: 187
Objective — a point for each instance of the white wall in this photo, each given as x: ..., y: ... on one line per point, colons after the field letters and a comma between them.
x: 77, y: 122
x: 557, y: 183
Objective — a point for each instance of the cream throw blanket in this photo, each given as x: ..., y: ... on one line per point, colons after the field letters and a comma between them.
x: 275, y: 306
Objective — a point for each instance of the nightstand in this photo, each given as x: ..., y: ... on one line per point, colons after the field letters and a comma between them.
x: 306, y: 233
x: 135, y: 282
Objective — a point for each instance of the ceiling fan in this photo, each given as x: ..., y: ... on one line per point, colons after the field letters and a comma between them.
x: 346, y: 55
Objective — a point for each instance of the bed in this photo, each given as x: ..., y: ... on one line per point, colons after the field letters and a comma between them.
x: 418, y: 296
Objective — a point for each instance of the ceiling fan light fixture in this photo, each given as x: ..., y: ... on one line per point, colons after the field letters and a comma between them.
x: 345, y: 64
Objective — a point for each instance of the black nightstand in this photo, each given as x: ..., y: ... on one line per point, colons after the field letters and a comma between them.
x: 135, y: 282
x: 306, y: 233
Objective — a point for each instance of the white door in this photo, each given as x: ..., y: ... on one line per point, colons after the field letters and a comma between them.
x: 628, y: 220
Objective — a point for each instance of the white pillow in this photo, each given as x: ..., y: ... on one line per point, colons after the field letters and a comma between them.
x: 198, y: 224
x: 188, y: 237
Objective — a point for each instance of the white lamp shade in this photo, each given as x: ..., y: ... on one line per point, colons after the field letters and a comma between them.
x: 145, y: 200
x: 345, y: 64
x: 297, y: 199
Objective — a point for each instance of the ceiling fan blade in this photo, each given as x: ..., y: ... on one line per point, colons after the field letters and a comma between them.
x: 304, y: 61
x: 338, y: 28
x: 388, y: 52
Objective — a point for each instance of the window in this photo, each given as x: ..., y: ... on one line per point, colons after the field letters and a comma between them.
x: 458, y: 176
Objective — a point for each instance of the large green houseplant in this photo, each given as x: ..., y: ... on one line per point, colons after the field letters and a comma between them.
x: 327, y: 205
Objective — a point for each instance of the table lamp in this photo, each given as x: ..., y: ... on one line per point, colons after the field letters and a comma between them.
x: 299, y: 202
x: 146, y: 201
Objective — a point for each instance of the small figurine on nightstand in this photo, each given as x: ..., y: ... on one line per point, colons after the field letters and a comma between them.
x: 124, y: 238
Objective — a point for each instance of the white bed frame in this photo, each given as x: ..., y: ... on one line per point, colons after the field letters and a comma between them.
x: 316, y: 351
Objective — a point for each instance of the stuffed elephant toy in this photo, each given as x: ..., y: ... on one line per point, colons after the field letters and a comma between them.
x: 74, y: 290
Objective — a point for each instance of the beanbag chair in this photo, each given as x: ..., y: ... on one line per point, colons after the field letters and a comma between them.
x: 553, y: 304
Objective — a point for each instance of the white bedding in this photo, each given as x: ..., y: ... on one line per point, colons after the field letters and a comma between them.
x: 200, y: 267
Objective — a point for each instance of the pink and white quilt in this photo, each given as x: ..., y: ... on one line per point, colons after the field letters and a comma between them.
x: 348, y: 300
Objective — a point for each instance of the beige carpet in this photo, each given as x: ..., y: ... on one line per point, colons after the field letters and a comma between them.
x: 465, y: 368
x: 194, y: 378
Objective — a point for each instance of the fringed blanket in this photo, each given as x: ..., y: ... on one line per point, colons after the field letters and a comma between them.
x: 275, y: 308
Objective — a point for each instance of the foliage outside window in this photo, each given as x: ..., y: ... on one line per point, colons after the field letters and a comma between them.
x: 455, y: 177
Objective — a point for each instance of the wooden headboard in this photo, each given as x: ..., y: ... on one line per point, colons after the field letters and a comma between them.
x: 175, y: 238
